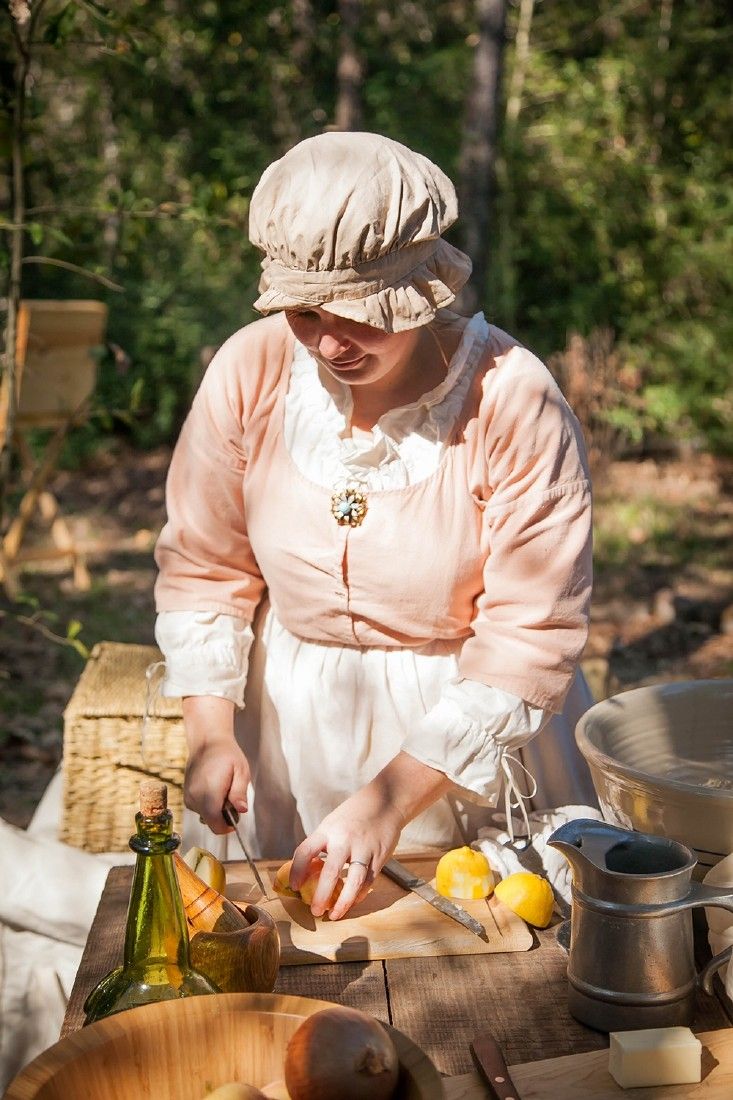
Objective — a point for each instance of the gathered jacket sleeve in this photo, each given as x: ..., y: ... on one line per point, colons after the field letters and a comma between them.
x: 469, y: 730
x: 204, y: 556
x: 532, y: 483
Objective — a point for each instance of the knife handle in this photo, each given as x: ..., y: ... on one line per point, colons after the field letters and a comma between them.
x: 229, y: 813
x: 490, y: 1061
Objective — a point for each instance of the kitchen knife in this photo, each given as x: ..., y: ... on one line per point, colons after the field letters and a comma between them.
x: 491, y: 1065
x: 231, y: 816
x: 400, y: 874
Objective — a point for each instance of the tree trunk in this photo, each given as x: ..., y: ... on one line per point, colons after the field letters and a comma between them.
x: 659, y: 96
x: 112, y: 183
x: 521, y: 61
x: 305, y: 105
x: 506, y: 284
x: 23, y: 24
x: 304, y: 26
x: 479, y: 149
x: 350, y: 70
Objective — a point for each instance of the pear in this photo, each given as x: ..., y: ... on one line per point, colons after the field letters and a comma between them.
x: 207, y: 867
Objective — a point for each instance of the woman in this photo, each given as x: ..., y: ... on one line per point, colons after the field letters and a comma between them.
x: 375, y: 575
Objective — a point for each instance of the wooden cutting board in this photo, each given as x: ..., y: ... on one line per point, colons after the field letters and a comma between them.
x: 391, y: 923
x: 586, y: 1077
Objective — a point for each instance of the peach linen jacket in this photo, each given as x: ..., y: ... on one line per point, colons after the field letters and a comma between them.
x: 493, y: 549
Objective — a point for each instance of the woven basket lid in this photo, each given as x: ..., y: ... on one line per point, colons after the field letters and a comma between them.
x: 114, y: 684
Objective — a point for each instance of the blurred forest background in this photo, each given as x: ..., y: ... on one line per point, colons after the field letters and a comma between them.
x: 590, y: 143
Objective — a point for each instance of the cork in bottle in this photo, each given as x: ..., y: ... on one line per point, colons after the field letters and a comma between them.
x: 153, y: 797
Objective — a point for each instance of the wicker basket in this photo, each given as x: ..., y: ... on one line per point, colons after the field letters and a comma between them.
x: 103, y: 760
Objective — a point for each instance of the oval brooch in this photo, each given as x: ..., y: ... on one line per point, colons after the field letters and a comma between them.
x: 348, y: 507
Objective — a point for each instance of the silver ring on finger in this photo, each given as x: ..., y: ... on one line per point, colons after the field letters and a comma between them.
x: 360, y: 863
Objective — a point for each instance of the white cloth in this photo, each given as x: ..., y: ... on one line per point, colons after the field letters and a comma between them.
x: 304, y: 754
x: 720, y: 921
x: 47, y: 904
x: 405, y: 445
x: 507, y: 857
x: 394, y: 698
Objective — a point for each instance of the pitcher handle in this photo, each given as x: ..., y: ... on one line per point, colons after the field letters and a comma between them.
x: 719, y: 897
x: 706, y: 975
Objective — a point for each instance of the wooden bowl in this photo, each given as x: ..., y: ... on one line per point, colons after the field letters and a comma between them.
x: 238, y: 948
x: 183, y: 1049
x: 241, y: 960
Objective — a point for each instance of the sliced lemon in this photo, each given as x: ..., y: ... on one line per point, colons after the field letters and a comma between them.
x: 464, y: 873
x: 207, y: 867
x: 528, y: 895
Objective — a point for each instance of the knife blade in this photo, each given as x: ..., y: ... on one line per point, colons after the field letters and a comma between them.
x: 400, y: 874
x: 490, y: 1063
x: 231, y: 816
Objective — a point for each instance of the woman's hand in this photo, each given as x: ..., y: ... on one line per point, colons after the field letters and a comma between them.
x: 217, y: 768
x: 364, y: 831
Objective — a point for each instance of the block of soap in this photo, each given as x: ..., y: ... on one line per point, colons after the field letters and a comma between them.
x: 655, y: 1056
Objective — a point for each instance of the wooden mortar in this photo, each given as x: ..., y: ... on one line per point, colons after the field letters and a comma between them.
x: 239, y: 949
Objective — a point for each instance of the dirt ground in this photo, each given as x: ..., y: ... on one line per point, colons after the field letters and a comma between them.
x: 662, y: 608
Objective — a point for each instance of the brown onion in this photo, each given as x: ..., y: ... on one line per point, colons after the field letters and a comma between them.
x: 338, y: 1053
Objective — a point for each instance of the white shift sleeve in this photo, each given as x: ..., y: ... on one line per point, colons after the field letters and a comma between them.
x: 468, y: 731
x: 206, y: 653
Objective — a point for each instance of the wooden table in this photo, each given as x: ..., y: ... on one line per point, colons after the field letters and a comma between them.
x: 440, y: 1003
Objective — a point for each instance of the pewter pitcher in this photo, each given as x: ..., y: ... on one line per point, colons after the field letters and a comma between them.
x: 631, y: 962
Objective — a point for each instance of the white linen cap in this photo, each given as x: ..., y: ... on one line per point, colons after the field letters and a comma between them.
x: 352, y: 222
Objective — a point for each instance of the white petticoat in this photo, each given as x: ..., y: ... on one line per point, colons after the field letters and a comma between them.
x: 321, y: 720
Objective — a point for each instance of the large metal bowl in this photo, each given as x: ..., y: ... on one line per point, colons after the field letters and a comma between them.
x: 661, y: 758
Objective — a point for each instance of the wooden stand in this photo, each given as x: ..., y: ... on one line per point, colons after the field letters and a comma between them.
x: 56, y: 374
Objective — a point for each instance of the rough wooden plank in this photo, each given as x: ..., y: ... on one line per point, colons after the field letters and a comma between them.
x: 356, y: 984
x: 438, y: 1002
x: 520, y: 998
x: 104, y: 946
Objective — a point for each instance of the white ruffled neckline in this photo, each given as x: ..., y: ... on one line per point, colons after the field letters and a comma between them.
x: 407, y: 442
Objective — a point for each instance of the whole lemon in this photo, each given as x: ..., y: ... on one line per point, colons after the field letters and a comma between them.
x: 464, y: 873
x: 529, y: 896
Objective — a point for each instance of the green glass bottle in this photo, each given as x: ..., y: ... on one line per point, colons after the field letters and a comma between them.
x: 156, y: 963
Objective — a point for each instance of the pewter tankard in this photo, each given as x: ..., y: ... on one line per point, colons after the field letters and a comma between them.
x: 631, y: 962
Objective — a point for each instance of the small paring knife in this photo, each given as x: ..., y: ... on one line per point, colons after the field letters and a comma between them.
x: 231, y: 816
x: 490, y: 1063
x: 400, y: 874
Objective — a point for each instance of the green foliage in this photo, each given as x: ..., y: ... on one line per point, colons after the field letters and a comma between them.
x: 622, y: 203
x: 29, y: 613
x: 650, y: 532
x: 150, y: 124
